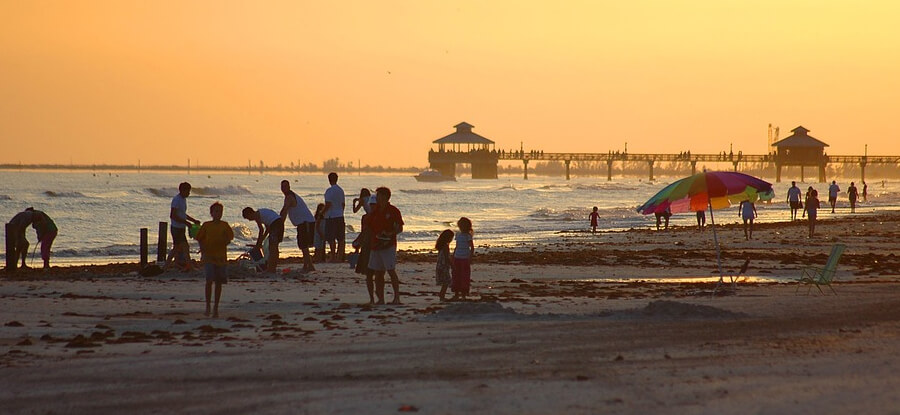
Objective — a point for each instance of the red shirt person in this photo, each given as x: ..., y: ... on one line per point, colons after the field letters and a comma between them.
x: 385, y: 223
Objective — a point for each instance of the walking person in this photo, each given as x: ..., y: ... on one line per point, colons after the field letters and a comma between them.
x: 832, y: 194
x: 701, y: 220
x: 793, y: 199
x: 595, y: 216
x: 214, y: 237
x: 812, y: 208
x: 18, y: 225
x: 334, y: 218
x: 747, y: 212
x: 806, y: 198
x: 462, y: 260
x: 270, y: 225
x: 385, y: 224
x: 46, y: 232
x: 181, y: 250
x: 295, y: 208
x: 865, y: 192
x: 852, y: 195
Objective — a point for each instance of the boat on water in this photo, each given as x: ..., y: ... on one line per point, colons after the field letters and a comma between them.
x: 433, y: 176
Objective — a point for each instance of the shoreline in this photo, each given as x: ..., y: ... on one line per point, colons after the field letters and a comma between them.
x: 637, y: 244
x: 613, y: 323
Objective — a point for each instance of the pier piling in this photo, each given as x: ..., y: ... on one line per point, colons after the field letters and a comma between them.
x: 161, y: 245
x: 144, y: 248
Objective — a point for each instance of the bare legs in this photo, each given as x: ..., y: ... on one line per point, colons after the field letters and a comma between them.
x: 209, y: 285
x: 395, y: 284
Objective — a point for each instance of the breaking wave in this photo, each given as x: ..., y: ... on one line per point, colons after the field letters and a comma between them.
x: 50, y: 193
x: 201, y: 191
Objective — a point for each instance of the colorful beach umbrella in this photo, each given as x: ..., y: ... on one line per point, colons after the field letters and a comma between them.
x: 708, y: 191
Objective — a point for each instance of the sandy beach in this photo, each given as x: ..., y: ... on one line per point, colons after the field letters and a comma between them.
x: 615, y: 322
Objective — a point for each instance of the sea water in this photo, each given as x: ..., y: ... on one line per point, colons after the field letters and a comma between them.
x: 99, y: 214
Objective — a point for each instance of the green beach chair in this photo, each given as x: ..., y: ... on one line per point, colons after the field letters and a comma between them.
x: 822, y: 276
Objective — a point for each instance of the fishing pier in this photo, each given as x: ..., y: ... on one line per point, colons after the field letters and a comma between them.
x: 799, y: 149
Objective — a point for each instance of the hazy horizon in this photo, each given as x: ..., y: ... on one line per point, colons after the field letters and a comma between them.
x: 224, y: 82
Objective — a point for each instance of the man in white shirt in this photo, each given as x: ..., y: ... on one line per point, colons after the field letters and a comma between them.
x: 832, y: 194
x: 793, y: 199
x: 334, y: 218
x: 181, y: 250
x: 295, y: 208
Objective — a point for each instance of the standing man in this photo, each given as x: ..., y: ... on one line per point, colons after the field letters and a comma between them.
x: 295, y: 208
x: 19, y: 224
x: 747, y: 212
x: 385, y: 224
x: 865, y: 192
x: 793, y: 199
x: 270, y: 224
x: 334, y: 218
x: 832, y: 194
x: 181, y: 250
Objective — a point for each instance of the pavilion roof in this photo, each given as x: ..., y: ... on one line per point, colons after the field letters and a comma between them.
x: 799, y: 138
x: 463, y: 135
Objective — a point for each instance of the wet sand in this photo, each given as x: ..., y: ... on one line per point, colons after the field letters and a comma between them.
x: 615, y: 322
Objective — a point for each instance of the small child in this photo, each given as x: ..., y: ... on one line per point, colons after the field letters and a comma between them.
x: 594, y: 219
x: 442, y: 271
x: 214, y: 237
x: 319, y: 237
x: 462, y: 260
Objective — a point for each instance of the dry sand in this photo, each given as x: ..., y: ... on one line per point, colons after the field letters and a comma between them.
x: 586, y: 324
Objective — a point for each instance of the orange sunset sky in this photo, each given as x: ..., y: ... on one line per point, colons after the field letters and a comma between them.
x: 224, y: 82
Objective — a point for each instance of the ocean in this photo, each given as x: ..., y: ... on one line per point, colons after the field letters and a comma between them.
x: 100, y: 214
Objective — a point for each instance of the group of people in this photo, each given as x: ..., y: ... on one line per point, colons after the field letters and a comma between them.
x: 377, y: 239
x: 42, y: 224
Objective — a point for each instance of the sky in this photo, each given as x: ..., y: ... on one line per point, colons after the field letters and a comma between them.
x: 231, y: 82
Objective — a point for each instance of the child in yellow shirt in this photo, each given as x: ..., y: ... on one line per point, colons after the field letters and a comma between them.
x: 214, y: 237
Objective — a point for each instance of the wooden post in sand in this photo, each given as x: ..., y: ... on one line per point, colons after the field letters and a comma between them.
x: 11, y: 259
x: 144, y: 248
x: 161, y: 245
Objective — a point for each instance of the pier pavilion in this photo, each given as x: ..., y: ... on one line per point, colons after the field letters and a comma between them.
x: 464, y: 146
x: 800, y: 149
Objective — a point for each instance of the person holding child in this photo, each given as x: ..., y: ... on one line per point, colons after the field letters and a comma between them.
x: 442, y: 270
x: 214, y: 237
x: 462, y: 259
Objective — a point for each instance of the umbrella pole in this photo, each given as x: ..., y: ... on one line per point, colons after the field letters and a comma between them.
x: 712, y: 220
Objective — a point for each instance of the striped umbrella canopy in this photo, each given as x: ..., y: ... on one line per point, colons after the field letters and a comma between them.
x: 708, y: 190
